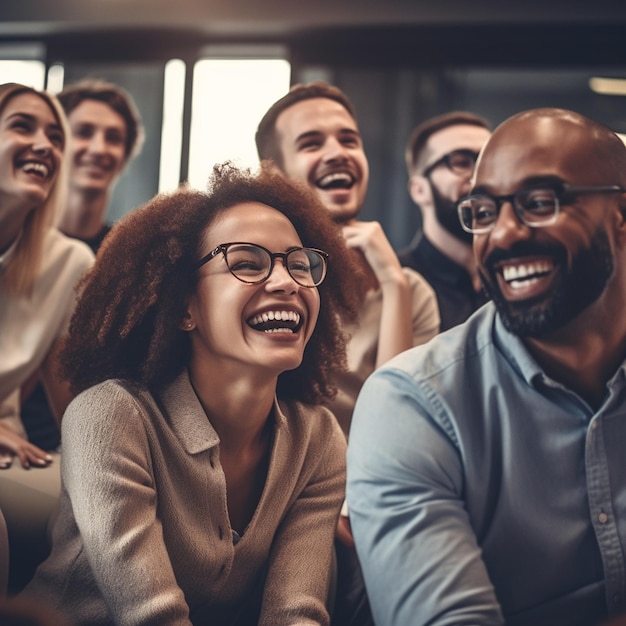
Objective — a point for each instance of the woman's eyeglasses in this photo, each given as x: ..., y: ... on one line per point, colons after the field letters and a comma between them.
x: 253, y: 264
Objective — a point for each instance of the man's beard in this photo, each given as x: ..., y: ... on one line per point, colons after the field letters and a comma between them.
x: 448, y: 215
x: 576, y: 288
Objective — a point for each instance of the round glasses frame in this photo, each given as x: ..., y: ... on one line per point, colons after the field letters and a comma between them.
x: 317, y: 254
x: 534, y: 213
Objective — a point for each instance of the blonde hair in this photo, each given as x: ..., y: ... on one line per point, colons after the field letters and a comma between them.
x: 24, y: 264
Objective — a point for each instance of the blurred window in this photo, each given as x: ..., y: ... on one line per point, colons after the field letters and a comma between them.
x: 29, y: 73
x: 229, y: 98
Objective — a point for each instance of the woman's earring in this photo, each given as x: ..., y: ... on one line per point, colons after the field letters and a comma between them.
x: 187, y: 324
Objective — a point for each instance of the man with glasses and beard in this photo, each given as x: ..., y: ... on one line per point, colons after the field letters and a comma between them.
x: 486, y: 479
x: 440, y: 157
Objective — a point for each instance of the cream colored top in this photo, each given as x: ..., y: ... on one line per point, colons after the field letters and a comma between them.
x: 363, y: 345
x: 31, y: 324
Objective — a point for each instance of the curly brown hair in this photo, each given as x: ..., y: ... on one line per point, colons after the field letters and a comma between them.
x: 133, y: 301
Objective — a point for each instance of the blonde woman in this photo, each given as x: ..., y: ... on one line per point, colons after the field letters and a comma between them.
x: 107, y: 133
x: 39, y: 268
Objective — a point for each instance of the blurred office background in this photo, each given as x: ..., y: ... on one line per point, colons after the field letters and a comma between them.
x: 202, y: 72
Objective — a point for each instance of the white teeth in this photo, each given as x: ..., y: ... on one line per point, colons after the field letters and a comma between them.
x: 327, y: 180
x: 37, y: 168
x: 516, y: 284
x: 527, y: 271
x: 276, y: 315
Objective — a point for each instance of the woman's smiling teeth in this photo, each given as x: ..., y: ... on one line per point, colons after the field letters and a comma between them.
x: 32, y: 167
x: 276, y: 322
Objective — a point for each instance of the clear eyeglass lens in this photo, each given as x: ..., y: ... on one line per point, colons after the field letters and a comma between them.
x: 460, y: 162
x: 479, y: 212
x: 248, y: 263
x: 538, y: 205
x: 307, y: 267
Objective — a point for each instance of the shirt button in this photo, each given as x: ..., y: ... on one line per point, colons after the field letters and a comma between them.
x: 603, y: 518
x: 594, y: 425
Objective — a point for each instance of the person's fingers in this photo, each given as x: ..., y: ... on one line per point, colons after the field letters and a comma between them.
x: 6, y: 460
x: 32, y: 456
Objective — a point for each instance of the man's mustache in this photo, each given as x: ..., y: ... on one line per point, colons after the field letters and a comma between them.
x: 522, y: 249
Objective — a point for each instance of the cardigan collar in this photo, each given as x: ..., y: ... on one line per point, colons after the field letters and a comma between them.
x: 188, y: 419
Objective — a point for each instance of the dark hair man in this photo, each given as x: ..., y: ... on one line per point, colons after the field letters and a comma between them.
x: 486, y: 479
x: 312, y: 135
x: 440, y: 157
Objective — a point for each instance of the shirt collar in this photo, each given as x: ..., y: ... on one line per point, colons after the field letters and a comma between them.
x: 188, y: 419
x: 520, y: 358
x: 514, y: 350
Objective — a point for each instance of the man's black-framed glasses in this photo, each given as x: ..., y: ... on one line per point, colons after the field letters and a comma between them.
x: 536, y: 207
x: 460, y: 162
x: 251, y: 263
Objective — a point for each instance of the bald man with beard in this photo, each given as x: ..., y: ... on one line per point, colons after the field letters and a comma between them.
x: 486, y: 472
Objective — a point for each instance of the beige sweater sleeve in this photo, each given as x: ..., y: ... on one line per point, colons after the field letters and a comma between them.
x: 114, y: 506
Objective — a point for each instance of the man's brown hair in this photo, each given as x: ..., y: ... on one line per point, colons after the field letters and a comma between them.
x: 415, y: 155
x: 265, y: 137
x: 115, y: 97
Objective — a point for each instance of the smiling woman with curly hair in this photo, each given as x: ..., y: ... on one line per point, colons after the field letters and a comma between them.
x: 202, y: 479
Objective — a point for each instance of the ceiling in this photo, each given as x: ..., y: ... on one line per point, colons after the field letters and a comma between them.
x: 368, y: 32
x: 283, y: 17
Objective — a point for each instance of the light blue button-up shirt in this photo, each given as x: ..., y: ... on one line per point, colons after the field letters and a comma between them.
x: 483, y: 492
